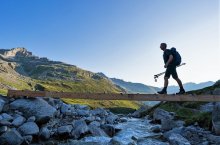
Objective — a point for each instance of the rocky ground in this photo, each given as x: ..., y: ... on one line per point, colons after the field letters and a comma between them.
x: 50, y: 121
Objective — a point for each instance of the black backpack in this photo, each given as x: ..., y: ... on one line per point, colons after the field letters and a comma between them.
x: 176, y: 55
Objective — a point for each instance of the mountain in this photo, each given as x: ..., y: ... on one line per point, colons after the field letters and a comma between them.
x: 20, y: 69
x: 135, y: 87
x: 190, y: 86
x: 19, y: 66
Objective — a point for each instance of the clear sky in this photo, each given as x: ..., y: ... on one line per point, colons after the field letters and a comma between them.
x: 120, y: 38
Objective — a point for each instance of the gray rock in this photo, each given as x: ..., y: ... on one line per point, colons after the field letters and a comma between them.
x: 156, y: 129
x: 160, y: 114
x: 65, y: 109
x: 90, y: 119
x: 109, y: 129
x: 141, y: 111
x: 214, y: 139
x: 167, y: 124
x: 111, y: 119
x: 18, y: 121
x: 7, y: 117
x: 29, y: 128
x: 83, y: 112
x: 5, y: 123
x: 95, y: 123
x: 216, y: 91
x: 216, y: 118
x: 44, y: 133
x: 28, y: 139
x: 34, y: 107
x: 82, y: 107
x: 118, y: 141
x: 177, y: 139
x: 64, y: 130
x: 99, y: 112
x: 2, y: 103
x: 207, y: 107
x: 31, y: 119
x: 3, y: 129
x: 80, y: 128
x: 11, y: 138
x: 96, y: 131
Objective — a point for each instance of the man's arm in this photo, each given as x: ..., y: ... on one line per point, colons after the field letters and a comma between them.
x: 169, y: 60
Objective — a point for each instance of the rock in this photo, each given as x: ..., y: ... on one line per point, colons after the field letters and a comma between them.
x: 111, y: 119
x: 3, y: 129
x: 160, y: 114
x: 80, y: 128
x: 31, y: 119
x: 64, y: 130
x: 167, y: 124
x: 216, y: 118
x: 141, y: 111
x: 5, y: 123
x: 109, y: 129
x: 156, y: 129
x: 99, y: 112
x: 216, y: 91
x: 82, y: 107
x: 96, y: 131
x: 207, y: 107
x: 18, y: 121
x: 118, y: 141
x: 214, y: 139
x: 7, y: 117
x: 27, y: 139
x: 29, y: 128
x: 2, y: 103
x: 95, y: 123
x: 90, y: 119
x: 177, y: 139
x: 11, y: 138
x: 34, y: 107
x: 44, y: 133
x: 65, y: 109
x: 83, y: 112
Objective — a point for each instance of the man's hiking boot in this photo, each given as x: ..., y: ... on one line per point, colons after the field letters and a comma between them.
x: 162, y: 92
x: 181, y: 92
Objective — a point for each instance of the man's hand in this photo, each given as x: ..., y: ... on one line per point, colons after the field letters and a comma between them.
x: 165, y: 66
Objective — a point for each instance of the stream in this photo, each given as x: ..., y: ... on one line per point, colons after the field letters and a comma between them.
x: 134, y: 129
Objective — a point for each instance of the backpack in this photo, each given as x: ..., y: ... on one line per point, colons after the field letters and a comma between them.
x: 176, y: 55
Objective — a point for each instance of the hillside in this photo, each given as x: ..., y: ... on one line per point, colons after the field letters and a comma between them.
x: 20, y: 69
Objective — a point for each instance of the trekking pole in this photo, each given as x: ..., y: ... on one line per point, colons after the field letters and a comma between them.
x: 157, y: 75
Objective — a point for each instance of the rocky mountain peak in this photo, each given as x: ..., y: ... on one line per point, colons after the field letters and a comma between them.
x: 19, y: 51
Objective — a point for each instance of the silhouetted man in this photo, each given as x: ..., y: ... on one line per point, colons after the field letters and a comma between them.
x: 170, y: 69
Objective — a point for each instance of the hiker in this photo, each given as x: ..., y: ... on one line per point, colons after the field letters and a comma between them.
x: 170, y: 65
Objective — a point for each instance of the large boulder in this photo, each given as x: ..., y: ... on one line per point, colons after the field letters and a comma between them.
x: 11, y: 138
x: 96, y: 131
x: 216, y: 118
x: 29, y: 128
x: 160, y: 114
x: 34, y: 107
x: 142, y: 111
x: 80, y: 128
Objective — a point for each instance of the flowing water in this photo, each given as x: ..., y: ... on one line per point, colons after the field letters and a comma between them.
x: 133, y: 129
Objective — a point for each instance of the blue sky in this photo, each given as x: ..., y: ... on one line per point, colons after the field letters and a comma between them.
x: 120, y: 38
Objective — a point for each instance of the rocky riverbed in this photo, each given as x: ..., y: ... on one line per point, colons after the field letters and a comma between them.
x: 50, y: 121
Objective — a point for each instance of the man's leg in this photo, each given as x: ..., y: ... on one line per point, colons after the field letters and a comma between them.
x: 164, y: 90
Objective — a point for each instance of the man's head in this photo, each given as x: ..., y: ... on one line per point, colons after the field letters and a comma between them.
x: 163, y: 46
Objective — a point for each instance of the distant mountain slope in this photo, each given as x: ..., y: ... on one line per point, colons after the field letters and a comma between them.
x: 190, y: 86
x: 20, y: 64
x: 135, y: 87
